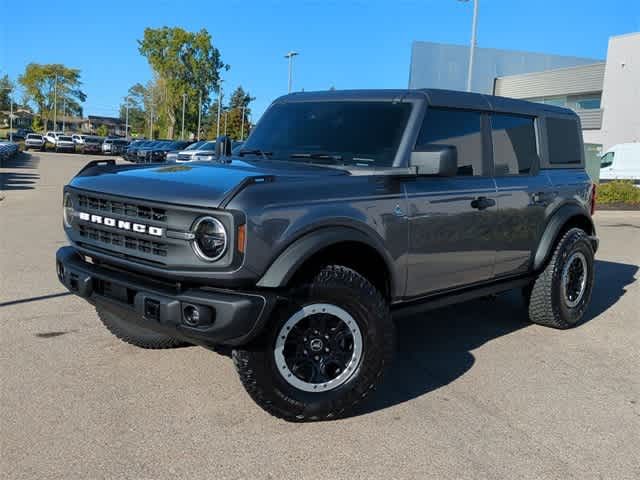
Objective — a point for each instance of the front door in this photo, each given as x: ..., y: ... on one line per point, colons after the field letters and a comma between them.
x: 451, y: 243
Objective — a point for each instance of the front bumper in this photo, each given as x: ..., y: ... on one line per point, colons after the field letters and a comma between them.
x: 227, y: 317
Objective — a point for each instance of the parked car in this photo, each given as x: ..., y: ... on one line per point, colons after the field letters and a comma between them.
x: 157, y: 151
x: 340, y: 209
x: 106, y: 145
x: 8, y: 149
x: 621, y: 162
x: 34, y: 140
x: 20, y: 134
x: 92, y: 144
x: 51, y: 138
x: 78, y: 139
x: 64, y: 143
x: 173, y: 156
x: 131, y: 152
x: 206, y: 150
x: 118, y: 146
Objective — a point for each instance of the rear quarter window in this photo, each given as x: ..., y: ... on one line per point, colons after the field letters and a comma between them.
x: 563, y: 138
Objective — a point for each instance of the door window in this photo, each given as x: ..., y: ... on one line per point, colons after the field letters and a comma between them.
x: 457, y: 128
x: 514, y: 144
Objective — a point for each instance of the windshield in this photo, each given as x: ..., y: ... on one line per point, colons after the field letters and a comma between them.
x: 34, y: 136
x: 64, y: 138
x: 194, y: 146
x: 351, y: 132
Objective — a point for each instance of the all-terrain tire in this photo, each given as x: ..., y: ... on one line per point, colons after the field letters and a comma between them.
x: 348, y: 290
x: 546, y: 302
x: 134, y: 334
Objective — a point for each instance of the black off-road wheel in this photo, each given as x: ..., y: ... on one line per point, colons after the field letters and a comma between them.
x: 323, y: 352
x: 560, y: 295
x: 134, y: 334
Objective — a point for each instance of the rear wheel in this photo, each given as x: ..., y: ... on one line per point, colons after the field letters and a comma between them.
x: 135, y: 334
x: 560, y: 295
x: 324, y: 352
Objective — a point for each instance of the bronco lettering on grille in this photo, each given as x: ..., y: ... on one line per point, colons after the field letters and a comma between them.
x: 121, y: 224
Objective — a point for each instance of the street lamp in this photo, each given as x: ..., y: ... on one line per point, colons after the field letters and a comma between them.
x: 290, y: 56
x: 472, y: 48
x: 184, y: 101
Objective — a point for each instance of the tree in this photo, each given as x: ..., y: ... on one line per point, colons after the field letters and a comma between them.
x: 138, y: 99
x: 102, y: 131
x: 231, y: 115
x: 44, y: 84
x: 6, y: 87
x: 185, y: 63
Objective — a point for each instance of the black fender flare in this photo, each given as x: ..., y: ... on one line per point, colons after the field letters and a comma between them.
x: 558, y: 220
x: 299, y: 251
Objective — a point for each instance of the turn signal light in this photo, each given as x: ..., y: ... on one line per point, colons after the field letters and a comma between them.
x: 242, y: 232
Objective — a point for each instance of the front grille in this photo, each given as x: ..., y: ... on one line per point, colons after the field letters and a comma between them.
x: 184, y: 156
x: 127, y: 209
x: 123, y: 241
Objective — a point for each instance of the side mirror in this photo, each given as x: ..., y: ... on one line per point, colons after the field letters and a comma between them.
x: 223, y: 146
x: 439, y: 160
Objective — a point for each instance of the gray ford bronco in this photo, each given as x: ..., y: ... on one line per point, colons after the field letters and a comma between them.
x: 341, y: 209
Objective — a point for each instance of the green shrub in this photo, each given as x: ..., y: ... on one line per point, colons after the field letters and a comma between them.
x: 619, y: 191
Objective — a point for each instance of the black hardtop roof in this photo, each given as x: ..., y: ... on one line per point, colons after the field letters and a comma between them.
x: 436, y: 98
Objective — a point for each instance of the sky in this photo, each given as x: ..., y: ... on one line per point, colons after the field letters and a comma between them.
x: 342, y: 43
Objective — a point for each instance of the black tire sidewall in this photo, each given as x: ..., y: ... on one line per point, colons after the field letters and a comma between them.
x: 572, y: 316
x: 292, y: 402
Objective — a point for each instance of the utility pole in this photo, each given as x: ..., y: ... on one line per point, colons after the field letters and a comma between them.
x: 55, y: 104
x: 242, y: 125
x: 184, y: 102
x: 151, y: 129
x: 64, y: 113
x: 219, y: 108
x: 126, y: 117
x: 199, y: 113
x: 472, y: 47
x: 225, y: 122
x: 290, y: 56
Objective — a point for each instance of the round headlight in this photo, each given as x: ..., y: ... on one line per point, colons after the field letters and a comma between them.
x: 67, y: 210
x: 210, y: 240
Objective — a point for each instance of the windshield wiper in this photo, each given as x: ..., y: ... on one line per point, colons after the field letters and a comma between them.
x: 254, y: 151
x: 318, y: 156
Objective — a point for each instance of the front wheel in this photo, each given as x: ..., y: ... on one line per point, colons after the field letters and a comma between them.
x: 324, y: 351
x: 560, y: 295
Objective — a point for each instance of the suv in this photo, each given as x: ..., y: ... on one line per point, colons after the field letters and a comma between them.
x: 340, y: 209
x: 34, y: 140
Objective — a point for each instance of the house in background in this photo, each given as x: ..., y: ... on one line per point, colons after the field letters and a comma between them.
x: 22, y: 118
x: 114, y: 125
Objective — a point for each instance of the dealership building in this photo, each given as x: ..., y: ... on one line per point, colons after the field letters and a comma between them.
x: 604, y: 93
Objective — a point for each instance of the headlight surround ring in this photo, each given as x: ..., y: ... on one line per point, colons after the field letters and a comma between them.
x: 68, y: 210
x: 211, y: 239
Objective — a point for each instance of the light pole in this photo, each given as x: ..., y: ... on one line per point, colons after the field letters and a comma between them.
x: 219, y: 108
x: 126, y: 117
x: 151, y: 126
x: 55, y: 104
x: 64, y: 113
x: 199, y: 113
x: 242, y: 125
x: 290, y: 56
x: 184, y: 102
x: 472, y: 47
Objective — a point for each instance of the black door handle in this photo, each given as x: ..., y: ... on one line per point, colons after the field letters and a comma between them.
x: 482, y: 202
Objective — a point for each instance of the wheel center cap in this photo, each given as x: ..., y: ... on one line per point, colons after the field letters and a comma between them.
x: 316, y: 345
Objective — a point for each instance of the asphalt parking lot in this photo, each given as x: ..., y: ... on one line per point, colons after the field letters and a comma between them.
x: 476, y: 391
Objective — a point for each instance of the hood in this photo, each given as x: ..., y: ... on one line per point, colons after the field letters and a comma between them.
x: 202, y: 184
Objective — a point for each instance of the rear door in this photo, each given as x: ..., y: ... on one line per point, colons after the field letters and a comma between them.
x: 450, y: 218
x: 523, y: 193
